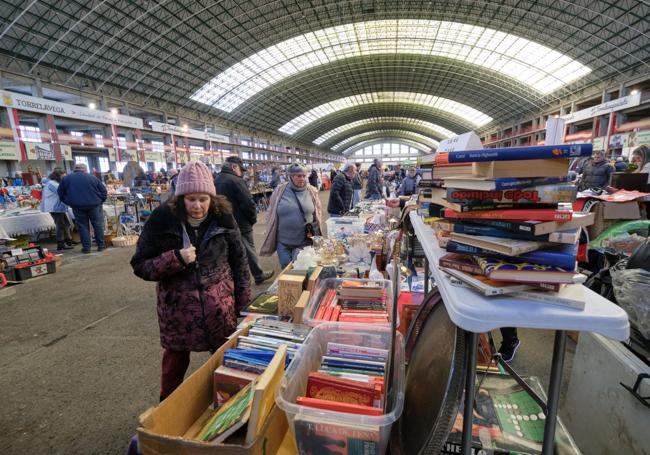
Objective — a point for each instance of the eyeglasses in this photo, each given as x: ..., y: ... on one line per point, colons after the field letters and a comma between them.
x: 301, y: 176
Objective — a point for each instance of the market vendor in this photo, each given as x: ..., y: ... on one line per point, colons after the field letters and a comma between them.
x: 191, y: 246
x: 641, y: 158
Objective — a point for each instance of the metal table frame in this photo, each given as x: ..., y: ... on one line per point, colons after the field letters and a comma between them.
x: 617, y: 329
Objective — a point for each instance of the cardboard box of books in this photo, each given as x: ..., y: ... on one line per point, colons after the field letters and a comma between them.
x: 170, y: 427
x: 507, y: 421
x: 343, y: 391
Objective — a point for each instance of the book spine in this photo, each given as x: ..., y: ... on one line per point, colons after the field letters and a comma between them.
x: 518, y: 183
x: 467, y: 268
x: 455, y: 247
x: 519, y: 153
x: 460, y: 228
x: 517, y: 215
x: 564, y: 237
x: 537, y: 195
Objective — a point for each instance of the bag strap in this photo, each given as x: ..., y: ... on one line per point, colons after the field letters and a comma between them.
x: 302, y: 211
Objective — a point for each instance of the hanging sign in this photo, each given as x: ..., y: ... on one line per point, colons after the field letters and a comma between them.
x: 66, y: 152
x: 188, y: 132
x: 44, y: 106
x: 603, y: 109
x: 9, y: 150
x: 40, y: 151
x: 153, y: 157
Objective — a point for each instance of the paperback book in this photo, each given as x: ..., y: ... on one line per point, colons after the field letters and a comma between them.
x: 523, y: 272
x: 505, y: 246
x: 547, y: 194
x: 483, y: 284
x: 505, y: 183
x: 563, y: 256
x: 471, y: 228
x: 522, y: 215
x: 316, y: 436
x: 516, y: 153
x: 539, y: 227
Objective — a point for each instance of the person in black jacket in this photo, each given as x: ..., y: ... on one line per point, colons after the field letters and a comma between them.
x: 313, y: 178
x: 341, y: 192
x: 85, y: 194
x: 229, y: 183
x: 596, y: 172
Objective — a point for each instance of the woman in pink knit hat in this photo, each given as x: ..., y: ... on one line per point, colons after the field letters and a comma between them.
x: 191, y: 246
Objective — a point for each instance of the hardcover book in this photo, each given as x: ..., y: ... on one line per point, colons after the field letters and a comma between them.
x: 483, y: 284
x: 563, y: 256
x: 566, y: 237
x: 460, y: 262
x: 532, y: 168
x: 537, y: 227
x: 339, y: 406
x: 228, y: 382
x: 317, y: 436
x: 522, y: 215
x: 505, y: 246
x: 516, y: 153
x: 570, y: 296
x: 500, y: 269
x: 547, y: 194
x: 327, y: 387
x: 505, y: 183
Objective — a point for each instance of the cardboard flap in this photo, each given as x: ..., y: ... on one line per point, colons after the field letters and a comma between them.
x: 146, y: 418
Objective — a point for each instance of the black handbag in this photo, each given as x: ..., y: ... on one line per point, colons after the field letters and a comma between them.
x: 311, y: 229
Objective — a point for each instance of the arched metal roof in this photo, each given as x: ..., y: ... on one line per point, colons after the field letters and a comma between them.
x: 505, y: 59
x: 382, y: 140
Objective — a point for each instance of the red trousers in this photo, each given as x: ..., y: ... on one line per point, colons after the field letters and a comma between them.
x: 174, y: 366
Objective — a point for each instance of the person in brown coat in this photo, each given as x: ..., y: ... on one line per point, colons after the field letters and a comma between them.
x: 192, y: 247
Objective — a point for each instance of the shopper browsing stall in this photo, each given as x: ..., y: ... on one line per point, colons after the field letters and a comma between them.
x: 375, y: 180
x: 85, y: 194
x: 409, y: 184
x: 340, y: 200
x: 293, y: 217
x: 57, y: 209
x: 191, y: 246
x: 357, y: 186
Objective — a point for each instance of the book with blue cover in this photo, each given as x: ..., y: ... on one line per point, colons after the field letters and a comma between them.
x: 499, y: 184
x: 563, y: 256
x: 566, y: 237
x: 517, y: 153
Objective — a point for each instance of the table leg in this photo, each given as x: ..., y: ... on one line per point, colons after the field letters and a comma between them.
x: 559, y: 348
x: 426, y: 276
x: 470, y: 390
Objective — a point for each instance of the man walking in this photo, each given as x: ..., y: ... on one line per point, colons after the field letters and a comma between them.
x: 357, y: 185
x: 375, y: 180
x: 230, y: 183
x: 341, y: 192
x: 85, y: 194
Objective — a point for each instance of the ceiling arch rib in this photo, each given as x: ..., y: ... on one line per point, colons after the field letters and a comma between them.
x: 350, y: 141
x: 474, y: 116
x: 349, y: 152
x: 432, y: 129
x: 542, y: 69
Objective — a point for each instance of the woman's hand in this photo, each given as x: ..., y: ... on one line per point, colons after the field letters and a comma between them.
x: 188, y: 254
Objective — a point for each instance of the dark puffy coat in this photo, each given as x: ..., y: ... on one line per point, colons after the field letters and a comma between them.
x: 234, y: 188
x: 340, y: 195
x: 373, y: 188
x: 81, y: 190
x: 595, y: 174
x: 197, y: 304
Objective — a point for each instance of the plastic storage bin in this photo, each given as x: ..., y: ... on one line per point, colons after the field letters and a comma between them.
x: 317, y: 429
x: 344, y: 225
x: 332, y: 283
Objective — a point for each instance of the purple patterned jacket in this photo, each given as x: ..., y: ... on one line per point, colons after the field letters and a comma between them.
x: 197, y: 304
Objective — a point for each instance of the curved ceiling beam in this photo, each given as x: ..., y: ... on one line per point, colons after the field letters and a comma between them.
x: 543, y: 69
x: 432, y: 129
x: 382, y: 110
x: 474, y: 116
x: 386, y: 132
x: 349, y: 152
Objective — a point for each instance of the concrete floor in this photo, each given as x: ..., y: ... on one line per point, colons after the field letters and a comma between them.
x: 80, y: 355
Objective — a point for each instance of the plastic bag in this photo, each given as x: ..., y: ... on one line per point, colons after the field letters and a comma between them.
x: 632, y: 291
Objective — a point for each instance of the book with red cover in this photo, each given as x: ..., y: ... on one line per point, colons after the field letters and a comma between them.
x: 315, y: 435
x: 514, y: 214
x: 461, y: 262
x: 339, y: 407
x: 328, y: 387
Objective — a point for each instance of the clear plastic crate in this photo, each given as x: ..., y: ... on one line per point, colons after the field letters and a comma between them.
x: 330, y: 427
x: 344, y: 226
x: 317, y: 296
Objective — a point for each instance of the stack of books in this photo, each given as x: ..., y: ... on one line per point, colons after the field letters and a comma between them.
x: 350, y: 380
x: 511, y: 228
x: 253, y: 354
x: 354, y: 301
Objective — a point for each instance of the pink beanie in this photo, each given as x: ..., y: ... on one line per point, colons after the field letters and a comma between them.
x: 195, y: 177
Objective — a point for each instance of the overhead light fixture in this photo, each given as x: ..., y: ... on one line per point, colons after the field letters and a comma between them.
x: 185, y: 127
x: 541, y: 68
x: 114, y: 111
x: 92, y: 106
x: 634, y: 92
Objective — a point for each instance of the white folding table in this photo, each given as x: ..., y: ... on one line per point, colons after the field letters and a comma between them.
x: 476, y: 314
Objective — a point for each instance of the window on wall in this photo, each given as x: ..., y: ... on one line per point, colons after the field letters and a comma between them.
x: 78, y: 135
x: 82, y: 160
x: 390, y: 153
x: 30, y: 133
x: 157, y: 146
x: 104, y: 165
x: 99, y: 140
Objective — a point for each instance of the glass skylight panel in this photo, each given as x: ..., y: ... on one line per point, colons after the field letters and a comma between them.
x: 437, y: 130
x: 508, y: 54
x: 428, y: 142
x: 463, y: 111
